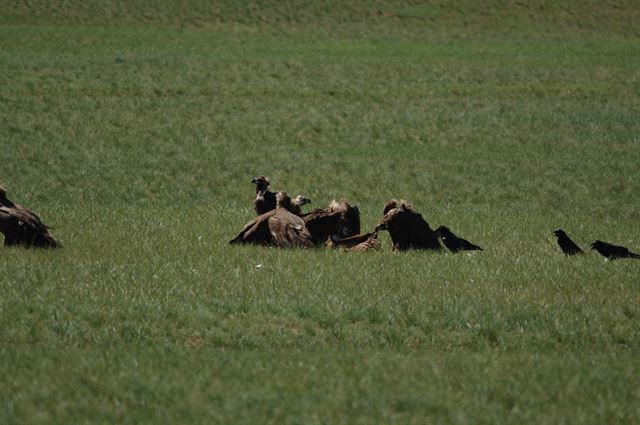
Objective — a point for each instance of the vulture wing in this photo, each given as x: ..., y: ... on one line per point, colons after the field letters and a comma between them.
x: 288, y: 230
x: 21, y: 226
x: 256, y: 231
x: 322, y: 224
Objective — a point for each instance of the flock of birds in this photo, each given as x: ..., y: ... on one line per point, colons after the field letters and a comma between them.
x: 280, y: 222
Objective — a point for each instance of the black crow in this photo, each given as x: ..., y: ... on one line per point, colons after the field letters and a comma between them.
x: 566, y: 244
x: 455, y: 243
x: 613, y: 252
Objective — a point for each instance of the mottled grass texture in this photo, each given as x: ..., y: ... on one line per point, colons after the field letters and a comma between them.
x: 135, y: 130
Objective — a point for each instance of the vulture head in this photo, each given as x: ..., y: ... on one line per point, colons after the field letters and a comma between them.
x: 297, y: 203
x: 262, y: 183
x: 301, y: 200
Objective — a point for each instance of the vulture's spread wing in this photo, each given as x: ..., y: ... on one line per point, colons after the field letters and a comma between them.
x: 256, y: 231
x: 288, y: 230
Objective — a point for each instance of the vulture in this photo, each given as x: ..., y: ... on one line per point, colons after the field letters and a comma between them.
x: 297, y: 203
x: 22, y: 226
x: 356, y: 243
x: 265, y: 199
x: 407, y: 228
x: 279, y: 227
x: 339, y: 219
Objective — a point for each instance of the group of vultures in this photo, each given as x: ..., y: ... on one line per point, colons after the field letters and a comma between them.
x: 280, y: 222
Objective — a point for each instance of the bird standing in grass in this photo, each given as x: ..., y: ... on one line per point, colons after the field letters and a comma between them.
x: 265, y: 199
x: 567, y: 246
x: 455, y: 243
x: 22, y: 226
x: 613, y: 252
x: 407, y: 228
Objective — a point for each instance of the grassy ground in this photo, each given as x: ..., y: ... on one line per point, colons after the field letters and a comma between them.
x: 135, y: 131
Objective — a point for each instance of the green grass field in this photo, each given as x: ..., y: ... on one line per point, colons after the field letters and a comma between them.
x: 134, y: 130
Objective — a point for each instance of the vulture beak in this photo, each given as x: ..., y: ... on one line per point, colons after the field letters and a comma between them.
x: 254, y: 181
x: 381, y: 226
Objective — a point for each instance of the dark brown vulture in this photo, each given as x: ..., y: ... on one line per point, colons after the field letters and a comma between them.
x: 339, y: 219
x: 265, y: 199
x: 407, y: 228
x: 279, y: 227
x: 21, y: 226
x: 364, y: 242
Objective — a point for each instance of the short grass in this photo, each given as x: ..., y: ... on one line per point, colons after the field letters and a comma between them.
x: 135, y: 132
